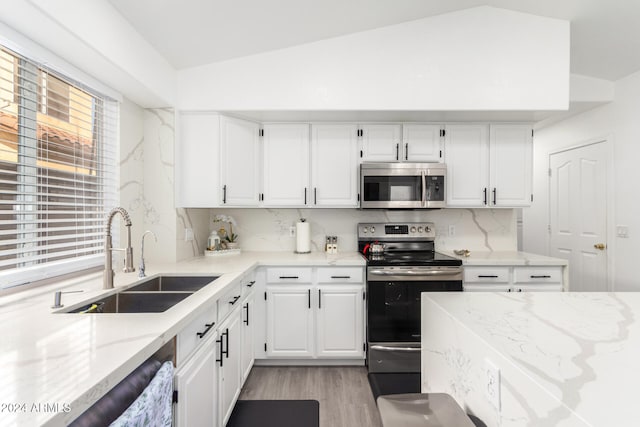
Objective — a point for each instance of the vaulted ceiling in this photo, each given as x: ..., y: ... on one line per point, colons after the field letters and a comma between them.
x: 605, y: 35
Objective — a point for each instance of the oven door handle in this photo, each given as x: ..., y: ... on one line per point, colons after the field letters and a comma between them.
x: 387, y: 348
x: 415, y: 273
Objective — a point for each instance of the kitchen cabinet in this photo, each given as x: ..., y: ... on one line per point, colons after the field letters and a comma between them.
x: 422, y: 142
x: 513, y: 279
x: 488, y: 166
x: 381, y: 142
x: 289, y: 321
x: 197, y: 154
x: 334, y: 165
x: 230, y: 336
x: 239, y: 162
x: 286, y: 165
x: 197, y: 385
x: 339, y: 318
x: 247, y: 307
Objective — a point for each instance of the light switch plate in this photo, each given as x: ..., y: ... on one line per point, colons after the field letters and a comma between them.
x: 188, y: 234
x: 622, y: 231
x: 492, y: 386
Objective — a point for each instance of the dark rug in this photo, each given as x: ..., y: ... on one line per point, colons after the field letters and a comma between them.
x: 394, y: 383
x: 275, y: 413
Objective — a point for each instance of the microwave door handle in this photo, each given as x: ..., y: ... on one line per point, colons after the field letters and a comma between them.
x: 424, y: 189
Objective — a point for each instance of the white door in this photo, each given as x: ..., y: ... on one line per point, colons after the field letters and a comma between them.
x: 334, y: 165
x: 286, y: 165
x: 467, y: 157
x: 339, y: 321
x: 239, y: 162
x: 248, y: 320
x: 421, y: 142
x: 577, y: 209
x: 381, y: 143
x: 289, y: 321
x: 511, y: 148
x: 230, y: 333
x: 197, y: 384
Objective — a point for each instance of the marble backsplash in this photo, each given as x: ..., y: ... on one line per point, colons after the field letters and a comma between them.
x: 474, y: 229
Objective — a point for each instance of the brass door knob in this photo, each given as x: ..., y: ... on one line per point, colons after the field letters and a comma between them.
x: 600, y: 246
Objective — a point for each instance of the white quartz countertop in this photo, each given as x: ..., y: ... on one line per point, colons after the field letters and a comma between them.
x: 582, y: 348
x: 508, y: 258
x: 55, y: 365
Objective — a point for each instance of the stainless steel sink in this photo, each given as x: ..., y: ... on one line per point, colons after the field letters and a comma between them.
x: 173, y: 284
x: 134, y: 302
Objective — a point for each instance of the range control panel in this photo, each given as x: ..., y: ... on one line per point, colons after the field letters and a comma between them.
x: 410, y: 230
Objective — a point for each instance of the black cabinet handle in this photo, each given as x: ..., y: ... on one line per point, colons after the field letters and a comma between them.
x: 309, y: 296
x: 235, y: 300
x: 487, y: 277
x: 305, y: 195
x: 485, y: 195
x: 221, y: 352
x: 397, y: 151
x: 540, y: 277
x: 224, y: 194
x: 519, y: 290
x: 208, y: 326
x: 341, y: 277
x: 406, y: 151
x: 494, y: 195
x: 509, y: 290
x: 226, y: 338
x: 251, y: 283
x: 246, y: 306
x: 319, y: 298
x: 315, y: 195
x: 289, y: 277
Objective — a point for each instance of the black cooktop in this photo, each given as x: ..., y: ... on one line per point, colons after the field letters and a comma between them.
x: 411, y: 259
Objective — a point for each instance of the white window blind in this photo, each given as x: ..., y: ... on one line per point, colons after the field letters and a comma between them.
x: 58, y: 172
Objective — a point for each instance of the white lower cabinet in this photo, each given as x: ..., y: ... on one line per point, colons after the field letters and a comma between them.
x: 247, y: 355
x: 230, y: 336
x: 339, y: 314
x: 289, y: 321
x: 197, y: 385
x: 513, y: 279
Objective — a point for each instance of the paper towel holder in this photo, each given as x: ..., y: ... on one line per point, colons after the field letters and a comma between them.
x: 302, y: 221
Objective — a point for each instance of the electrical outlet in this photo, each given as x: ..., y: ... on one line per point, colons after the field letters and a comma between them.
x: 492, y: 389
x: 292, y: 231
x: 622, y: 231
x: 188, y: 234
x: 452, y: 230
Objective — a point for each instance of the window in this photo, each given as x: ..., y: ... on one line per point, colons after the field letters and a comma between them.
x: 58, y: 172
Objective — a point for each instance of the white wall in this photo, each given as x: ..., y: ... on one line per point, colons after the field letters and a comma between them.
x: 477, y: 59
x: 475, y: 229
x: 618, y: 121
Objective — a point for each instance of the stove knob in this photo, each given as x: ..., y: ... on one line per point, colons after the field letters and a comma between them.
x: 427, y: 229
x: 413, y: 229
x: 364, y: 230
x: 419, y: 229
x: 373, y: 229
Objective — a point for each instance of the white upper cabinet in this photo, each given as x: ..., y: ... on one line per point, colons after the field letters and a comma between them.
x: 421, y: 142
x: 334, y: 165
x: 381, y: 142
x: 286, y: 165
x: 511, y: 148
x: 488, y: 166
x: 467, y: 159
x: 197, y: 156
x: 239, y: 162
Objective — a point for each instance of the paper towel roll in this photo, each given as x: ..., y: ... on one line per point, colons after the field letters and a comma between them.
x: 303, y: 237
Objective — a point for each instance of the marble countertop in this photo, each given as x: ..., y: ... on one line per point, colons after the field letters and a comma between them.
x: 581, y: 348
x: 55, y: 365
x: 508, y: 258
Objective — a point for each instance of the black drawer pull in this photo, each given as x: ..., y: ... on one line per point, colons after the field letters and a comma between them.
x: 309, y: 295
x: 487, y: 277
x: 246, y: 322
x: 289, y: 277
x: 319, y: 298
x: 235, y: 300
x: 208, y: 327
x: 226, y: 338
x: 221, y: 352
x: 251, y: 283
x: 540, y: 277
x: 341, y: 277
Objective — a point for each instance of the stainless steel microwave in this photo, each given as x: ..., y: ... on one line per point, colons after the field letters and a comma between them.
x: 402, y: 185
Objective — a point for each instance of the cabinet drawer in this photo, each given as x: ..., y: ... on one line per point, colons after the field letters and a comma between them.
x: 195, y: 332
x: 340, y: 275
x: 537, y: 275
x: 229, y: 300
x: 248, y: 283
x: 289, y: 275
x: 486, y: 274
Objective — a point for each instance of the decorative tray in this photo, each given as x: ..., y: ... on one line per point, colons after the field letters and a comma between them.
x: 222, y: 252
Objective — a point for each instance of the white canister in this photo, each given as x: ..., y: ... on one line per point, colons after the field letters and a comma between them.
x: 303, y: 237
x: 213, y: 242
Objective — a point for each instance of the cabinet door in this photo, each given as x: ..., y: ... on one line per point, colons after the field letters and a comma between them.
x: 239, y: 162
x: 381, y: 143
x: 511, y: 165
x: 248, y: 319
x: 466, y: 155
x: 334, y: 165
x: 422, y: 142
x: 197, y: 158
x: 289, y: 321
x: 286, y: 165
x: 197, y: 385
x: 231, y: 335
x: 340, y: 321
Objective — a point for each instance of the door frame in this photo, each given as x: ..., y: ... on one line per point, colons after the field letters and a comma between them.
x: 610, y: 240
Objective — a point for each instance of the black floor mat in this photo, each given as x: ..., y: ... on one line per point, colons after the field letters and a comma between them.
x: 395, y: 383
x: 275, y: 413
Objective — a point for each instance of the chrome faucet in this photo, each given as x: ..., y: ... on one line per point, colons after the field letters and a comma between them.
x: 108, y: 248
x: 141, y: 269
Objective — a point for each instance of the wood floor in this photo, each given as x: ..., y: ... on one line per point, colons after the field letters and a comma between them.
x: 343, y: 392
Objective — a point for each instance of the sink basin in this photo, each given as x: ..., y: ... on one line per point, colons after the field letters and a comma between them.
x: 172, y: 284
x: 134, y: 302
